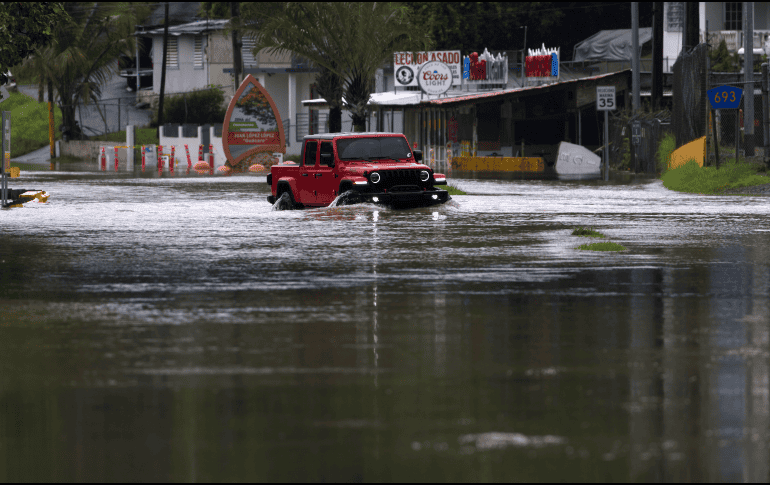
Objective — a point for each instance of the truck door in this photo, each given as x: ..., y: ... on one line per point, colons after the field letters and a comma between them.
x: 306, y: 180
x: 325, y: 182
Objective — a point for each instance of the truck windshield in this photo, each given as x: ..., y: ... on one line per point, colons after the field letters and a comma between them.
x: 394, y: 147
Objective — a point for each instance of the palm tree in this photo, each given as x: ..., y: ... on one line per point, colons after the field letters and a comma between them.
x: 351, y: 40
x: 329, y: 86
x: 82, y: 56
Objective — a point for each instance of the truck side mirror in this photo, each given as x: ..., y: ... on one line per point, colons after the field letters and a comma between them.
x: 417, y: 155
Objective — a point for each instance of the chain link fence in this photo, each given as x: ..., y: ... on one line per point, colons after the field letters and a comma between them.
x: 641, y: 157
x: 689, y: 118
x: 730, y: 125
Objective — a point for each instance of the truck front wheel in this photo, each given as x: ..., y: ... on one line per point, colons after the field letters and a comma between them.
x: 284, y: 202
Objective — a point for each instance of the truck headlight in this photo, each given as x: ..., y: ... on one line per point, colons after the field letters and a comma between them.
x: 374, y: 177
x: 424, y: 176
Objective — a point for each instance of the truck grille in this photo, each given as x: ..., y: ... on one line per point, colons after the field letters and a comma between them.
x: 391, y: 178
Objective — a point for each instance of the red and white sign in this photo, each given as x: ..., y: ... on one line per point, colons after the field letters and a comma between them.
x: 434, y: 78
x: 407, y: 65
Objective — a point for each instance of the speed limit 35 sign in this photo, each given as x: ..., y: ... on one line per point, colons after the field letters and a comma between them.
x: 605, y: 98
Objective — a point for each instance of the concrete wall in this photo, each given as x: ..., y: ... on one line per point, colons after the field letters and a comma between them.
x: 89, y: 150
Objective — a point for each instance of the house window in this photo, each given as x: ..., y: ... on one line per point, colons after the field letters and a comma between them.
x: 247, y: 53
x: 198, y: 53
x: 172, y: 54
x: 733, y: 15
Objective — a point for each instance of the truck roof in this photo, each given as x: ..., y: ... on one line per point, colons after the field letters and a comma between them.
x: 330, y: 136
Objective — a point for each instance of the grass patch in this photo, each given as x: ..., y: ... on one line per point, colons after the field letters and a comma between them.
x: 30, y: 167
x: 29, y: 123
x: 602, y: 246
x: 587, y: 232
x: 142, y: 136
x: 454, y: 190
x: 693, y: 179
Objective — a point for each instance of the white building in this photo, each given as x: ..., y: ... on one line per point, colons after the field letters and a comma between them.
x: 200, y: 55
x: 722, y: 20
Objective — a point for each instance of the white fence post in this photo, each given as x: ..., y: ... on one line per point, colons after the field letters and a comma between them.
x: 130, y: 150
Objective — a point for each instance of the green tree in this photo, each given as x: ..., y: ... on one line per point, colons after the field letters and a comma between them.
x: 215, y: 10
x: 27, y: 26
x: 352, y: 40
x: 330, y: 86
x: 81, y: 56
x: 722, y: 60
x: 473, y: 26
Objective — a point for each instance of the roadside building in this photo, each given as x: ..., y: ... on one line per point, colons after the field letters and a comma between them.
x: 504, y: 119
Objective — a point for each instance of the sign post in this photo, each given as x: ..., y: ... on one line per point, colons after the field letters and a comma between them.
x: 726, y: 97
x: 605, y: 101
x: 50, y: 134
x: 636, y: 140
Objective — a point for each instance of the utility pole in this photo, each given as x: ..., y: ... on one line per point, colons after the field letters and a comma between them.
x: 748, y: 77
x: 657, y: 55
x: 690, y: 36
x: 635, y: 76
x: 163, y: 73
x: 136, y: 63
x: 235, y: 12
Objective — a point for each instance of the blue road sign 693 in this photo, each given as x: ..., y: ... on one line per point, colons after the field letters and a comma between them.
x: 725, y: 97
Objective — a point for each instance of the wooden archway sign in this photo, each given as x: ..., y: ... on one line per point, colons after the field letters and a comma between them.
x: 257, y: 126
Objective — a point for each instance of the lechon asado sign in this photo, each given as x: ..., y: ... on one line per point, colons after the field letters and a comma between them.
x: 406, y: 65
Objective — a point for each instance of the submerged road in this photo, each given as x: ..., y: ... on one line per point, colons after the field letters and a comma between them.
x: 178, y: 329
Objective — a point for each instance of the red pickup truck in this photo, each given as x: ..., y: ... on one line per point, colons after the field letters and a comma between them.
x: 361, y: 167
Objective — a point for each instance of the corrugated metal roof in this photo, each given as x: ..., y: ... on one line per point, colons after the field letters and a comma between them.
x: 388, y: 98
x: 475, y: 96
x: 191, y: 28
x: 413, y: 98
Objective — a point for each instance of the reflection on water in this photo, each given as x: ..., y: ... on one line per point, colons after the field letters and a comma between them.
x: 178, y: 329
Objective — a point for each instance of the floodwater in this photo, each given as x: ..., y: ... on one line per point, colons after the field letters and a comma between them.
x: 178, y: 329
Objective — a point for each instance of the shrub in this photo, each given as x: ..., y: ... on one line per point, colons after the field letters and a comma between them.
x: 587, y: 232
x: 206, y: 106
x: 665, y: 148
